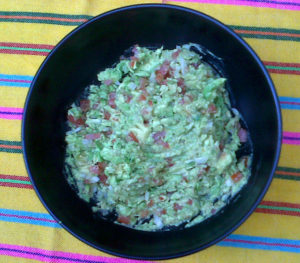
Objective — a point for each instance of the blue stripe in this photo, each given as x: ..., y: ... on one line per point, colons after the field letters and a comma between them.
x: 269, y: 246
x: 289, y: 107
x: 25, y: 213
x: 289, y: 99
x: 258, y: 246
x: 266, y: 239
x: 29, y: 221
x: 15, y: 84
x: 17, y: 77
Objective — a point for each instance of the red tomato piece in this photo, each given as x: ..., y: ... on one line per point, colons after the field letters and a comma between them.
x: 133, y: 137
x: 212, y: 108
x: 85, y: 105
x: 92, y: 136
x: 177, y: 207
x: 124, y: 220
x: 111, y: 100
x: 237, y: 177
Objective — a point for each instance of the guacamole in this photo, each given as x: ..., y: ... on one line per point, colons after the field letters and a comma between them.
x: 155, y: 142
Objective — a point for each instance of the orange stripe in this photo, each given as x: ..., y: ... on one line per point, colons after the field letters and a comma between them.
x: 10, y: 146
x: 266, y: 33
x: 46, y: 18
x: 287, y: 173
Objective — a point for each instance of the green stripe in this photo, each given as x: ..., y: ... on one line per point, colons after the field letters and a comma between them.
x: 37, y: 14
x: 41, y: 21
x: 288, y: 169
x: 10, y: 150
x: 287, y: 177
x: 283, y: 68
x: 14, y: 181
x: 280, y: 208
x: 25, y: 48
x: 266, y: 29
x: 297, y: 39
x: 11, y: 142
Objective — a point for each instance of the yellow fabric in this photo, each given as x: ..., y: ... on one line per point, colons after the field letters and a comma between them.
x: 270, y: 225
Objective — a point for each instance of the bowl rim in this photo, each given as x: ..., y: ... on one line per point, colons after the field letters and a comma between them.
x: 241, y: 42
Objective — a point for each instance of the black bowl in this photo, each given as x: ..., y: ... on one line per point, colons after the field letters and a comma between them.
x: 97, y: 44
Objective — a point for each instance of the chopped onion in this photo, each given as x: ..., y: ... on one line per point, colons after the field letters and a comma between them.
x: 158, y: 221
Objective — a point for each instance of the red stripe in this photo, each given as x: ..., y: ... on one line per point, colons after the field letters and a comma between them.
x: 277, y: 212
x: 23, y: 52
x: 46, y: 18
x: 29, y: 217
x: 282, y: 64
x: 282, y: 204
x: 38, y: 46
x: 14, y: 177
x: 17, y: 185
x: 261, y: 243
x: 290, y: 102
x: 283, y: 71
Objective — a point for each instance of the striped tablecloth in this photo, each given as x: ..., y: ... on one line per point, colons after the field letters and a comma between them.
x: 29, y: 29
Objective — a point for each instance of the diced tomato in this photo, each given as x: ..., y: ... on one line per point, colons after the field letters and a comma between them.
x: 243, y: 135
x: 221, y: 146
x: 237, y: 177
x: 185, y: 179
x: 213, y: 211
x: 101, y: 166
x: 146, y: 122
x: 124, y: 220
x: 151, y: 203
x: 163, y: 212
x: 94, y: 169
x: 176, y: 53
x: 107, y: 133
x: 161, y: 198
x: 163, y: 72
x: 85, y: 105
x: 95, y: 106
x: 180, y: 83
x: 111, y: 100
x: 113, y: 141
x: 144, y: 213
x: 133, y: 137
x: 103, y: 178
x: 164, y: 144
x: 92, y: 136
x: 159, y: 77
x: 212, y: 108
x: 207, y: 168
x: 78, y: 122
x: 246, y: 161
x: 142, y: 97
x: 108, y: 82
x: 133, y: 61
x: 158, y: 182
x: 170, y: 161
x: 128, y: 98
x: 106, y: 115
x: 150, y: 102
x: 143, y: 83
x: 177, y: 207
x: 190, y: 202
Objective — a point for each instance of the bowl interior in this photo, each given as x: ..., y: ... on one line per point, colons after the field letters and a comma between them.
x: 73, y: 65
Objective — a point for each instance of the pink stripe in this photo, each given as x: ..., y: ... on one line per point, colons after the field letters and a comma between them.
x: 287, y: 141
x: 246, y: 3
x: 291, y: 134
x: 68, y: 257
x: 29, y: 217
x: 10, y: 117
x: 16, y: 80
x: 8, y: 109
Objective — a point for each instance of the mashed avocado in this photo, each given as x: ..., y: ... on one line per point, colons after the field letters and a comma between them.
x: 155, y: 142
